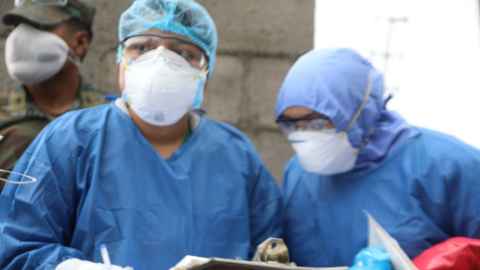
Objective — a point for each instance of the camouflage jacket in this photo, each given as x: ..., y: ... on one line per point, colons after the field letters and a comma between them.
x: 22, y: 120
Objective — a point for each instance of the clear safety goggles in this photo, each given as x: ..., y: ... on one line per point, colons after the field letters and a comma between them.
x: 318, y: 123
x: 42, y: 2
x: 134, y: 46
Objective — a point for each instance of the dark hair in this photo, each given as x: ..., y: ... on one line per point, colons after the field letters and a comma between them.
x: 77, y: 25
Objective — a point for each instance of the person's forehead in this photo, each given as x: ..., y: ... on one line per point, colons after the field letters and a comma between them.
x: 299, y: 112
x: 160, y: 32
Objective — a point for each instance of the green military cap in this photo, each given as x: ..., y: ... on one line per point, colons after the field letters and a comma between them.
x: 51, y: 12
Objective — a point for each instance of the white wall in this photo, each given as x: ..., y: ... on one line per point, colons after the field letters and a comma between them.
x: 440, y: 71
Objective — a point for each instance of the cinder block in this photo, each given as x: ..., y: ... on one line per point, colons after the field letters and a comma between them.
x: 274, y: 149
x: 5, y: 5
x: 91, y: 68
x: 105, y: 25
x: 224, y: 91
x: 101, y: 70
x: 109, y: 73
x: 263, y: 81
x: 263, y: 26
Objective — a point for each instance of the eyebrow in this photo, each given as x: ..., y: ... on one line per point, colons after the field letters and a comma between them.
x: 147, y: 36
x: 181, y: 42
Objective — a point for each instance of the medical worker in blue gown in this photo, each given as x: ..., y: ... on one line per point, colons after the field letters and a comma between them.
x: 147, y: 175
x: 352, y: 155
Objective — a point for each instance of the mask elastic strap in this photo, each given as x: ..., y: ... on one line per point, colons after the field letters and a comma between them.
x: 127, y: 68
x: 200, y: 72
x: 365, y: 99
x: 72, y: 57
x: 365, y: 141
x: 125, y: 64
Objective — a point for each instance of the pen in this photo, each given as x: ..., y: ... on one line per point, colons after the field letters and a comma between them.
x: 105, y: 257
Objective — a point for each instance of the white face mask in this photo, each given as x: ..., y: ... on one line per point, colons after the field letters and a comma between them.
x: 34, y: 56
x: 161, y: 86
x: 328, y: 152
x: 323, y: 152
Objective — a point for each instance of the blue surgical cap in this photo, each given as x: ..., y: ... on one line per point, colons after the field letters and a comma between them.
x: 182, y: 17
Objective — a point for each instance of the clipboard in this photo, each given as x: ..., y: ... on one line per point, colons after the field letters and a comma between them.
x: 272, y: 254
x: 225, y: 264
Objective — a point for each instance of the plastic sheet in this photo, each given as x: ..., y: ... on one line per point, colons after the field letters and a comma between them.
x: 459, y: 253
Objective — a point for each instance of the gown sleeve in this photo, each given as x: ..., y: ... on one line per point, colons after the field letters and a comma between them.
x: 463, y: 187
x: 296, y: 209
x: 266, y: 207
x: 37, y: 219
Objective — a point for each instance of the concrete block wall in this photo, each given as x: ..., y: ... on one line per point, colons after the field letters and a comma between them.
x: 259, y: 40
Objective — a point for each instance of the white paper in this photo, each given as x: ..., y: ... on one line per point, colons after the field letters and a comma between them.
x: 189, y: 262
x: 377, y: 236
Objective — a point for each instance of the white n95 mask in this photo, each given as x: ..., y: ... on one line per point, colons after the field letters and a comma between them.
x: 323, y: 152
x: 34, y: 56
x: 328, y: 152
x: 161, y: 86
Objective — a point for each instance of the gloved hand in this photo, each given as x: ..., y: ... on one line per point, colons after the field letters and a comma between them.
x: 76, y: 264
x: 372, y: 258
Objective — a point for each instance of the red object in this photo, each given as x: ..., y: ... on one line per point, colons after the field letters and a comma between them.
x: 459, y: 253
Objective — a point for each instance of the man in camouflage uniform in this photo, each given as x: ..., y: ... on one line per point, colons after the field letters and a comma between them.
x: 32, y: 106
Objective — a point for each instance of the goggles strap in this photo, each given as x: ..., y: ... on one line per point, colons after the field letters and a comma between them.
x: 203, y: 60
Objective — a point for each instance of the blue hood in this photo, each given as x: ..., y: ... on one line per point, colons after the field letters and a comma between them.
x: 333, y: 82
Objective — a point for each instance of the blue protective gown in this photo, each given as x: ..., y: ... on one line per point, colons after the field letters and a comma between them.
x: 100, y: 181
x: 421, y: 186
x: 423, y: 193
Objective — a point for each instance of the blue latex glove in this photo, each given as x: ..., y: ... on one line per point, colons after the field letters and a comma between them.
x: 372, y: 258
